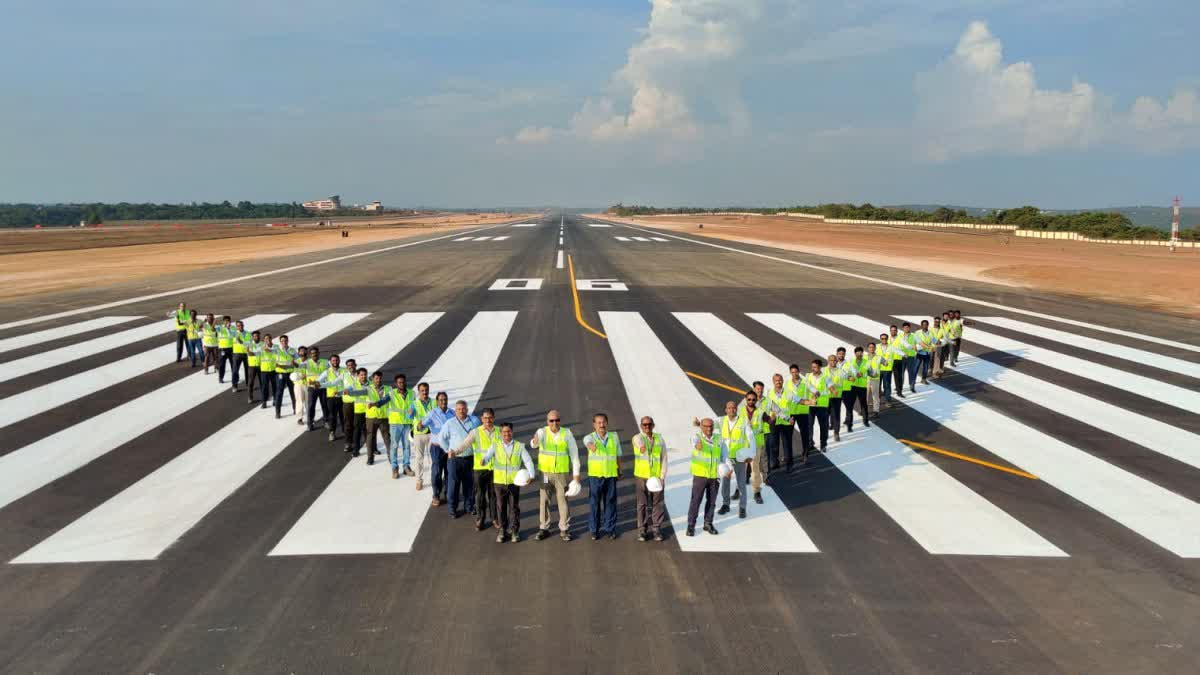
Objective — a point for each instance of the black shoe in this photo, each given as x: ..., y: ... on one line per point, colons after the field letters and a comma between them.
x: 741, y: 513
x: 758, y: 498
x: 710, y: 529
x: 541, y: 534
x: 723, y: 510
x: 691, y: 532
x: 658, y: 536
x: 642, y: 536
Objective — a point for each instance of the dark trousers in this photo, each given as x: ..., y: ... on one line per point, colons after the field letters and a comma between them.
x: 284, y: 381
x: 508, y: 507
x: 485, y: 503
x: 706, y: 489
x: 806, y: 441
x: 348, y: 423
x: 267, y: 380
x: 782, y: 433
x: 898, y: 374
x: 374, y: 427
x: 885, y: 384
x: 835, y: 412
x: 317, y: 395
x: 856, y: 395
x: 955, y: 346
x: 821, y: 415
x: 226, y: 356
x: 333, y: 413
x: 437, y: 470
x: 459, y: 482
x: 602, y: 498
x: 181, y: 342
x: 252, y: 378
x: 653, y: 502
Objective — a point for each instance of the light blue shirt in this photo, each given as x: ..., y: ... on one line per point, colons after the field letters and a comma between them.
x: 454, y: 431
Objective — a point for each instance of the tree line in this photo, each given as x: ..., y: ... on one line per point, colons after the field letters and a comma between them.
x: 28, y: 215
x: 1096, y: 224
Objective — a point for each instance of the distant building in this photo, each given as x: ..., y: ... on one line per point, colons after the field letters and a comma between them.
x: 332, y: 204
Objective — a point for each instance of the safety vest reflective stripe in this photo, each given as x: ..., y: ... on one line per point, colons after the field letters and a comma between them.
x: 552, y: 455
x: 602, y: 462
x: 484, y: 441
x: 397, y: 407
x: 422, y: 412
x: 706, y: 459
x: 649, y: 462
x: 506, y: 465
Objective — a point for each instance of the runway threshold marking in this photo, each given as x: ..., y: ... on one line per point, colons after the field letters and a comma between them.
x: 334, y: 523
x: 1164, y: 517
x: 930, y: 291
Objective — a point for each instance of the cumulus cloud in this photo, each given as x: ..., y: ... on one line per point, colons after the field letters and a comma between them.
x: 974, y: 103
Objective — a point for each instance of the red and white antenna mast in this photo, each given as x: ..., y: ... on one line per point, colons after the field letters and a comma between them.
x: 1175, y: 225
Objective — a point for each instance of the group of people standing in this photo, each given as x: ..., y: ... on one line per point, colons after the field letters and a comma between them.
x: 480, y: 465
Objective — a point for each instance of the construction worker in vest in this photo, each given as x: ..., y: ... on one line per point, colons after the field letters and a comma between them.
x: 285, y: 365
x: 779, y: 401
x: 907, y: 341
x: 507, y: 457
x: 460, y: 459
x: 898, y: 355
x: 604, y: 470
x: 557, y: 454
x: 737, y: 436
x: 856, y: 372
x: 799, y: 392
x: 208, y: 338
x: 192, y: 330
x: 433, y: 421
x: 399, y: 412
x: 331, y: 380
x: 649, y: 453
x: 299, y: 377
x: 239, y: 335
x: 181, y: 315
x: 266, y: 369
x: 419, y: 410
x: 482, y: 441
x: 316, y: 393
x: 925, y: 349
x: 818, y: 387
x: 874, y: 376
x: 375, y: 415
x: 759, y: 423
x: 355, y: 393
x: 225, y: 336
x: 349, y: 376
x: 834, y: 388
x: 708, y: 453
x: 885, y: 363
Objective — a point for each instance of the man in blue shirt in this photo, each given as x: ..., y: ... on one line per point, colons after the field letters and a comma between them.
x: 459, y: 461
x: 433, y: 421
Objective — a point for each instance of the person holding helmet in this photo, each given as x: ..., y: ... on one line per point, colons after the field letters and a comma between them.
x: 557, y: 454
x: 740, y: 443
x: 604, y: 470
x: 506, y: 458
x: 708, y: 456
x: 482, y: 439
x: 649, y: 472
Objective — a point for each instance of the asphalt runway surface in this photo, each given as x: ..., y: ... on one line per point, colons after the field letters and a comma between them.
x: 150, y: 521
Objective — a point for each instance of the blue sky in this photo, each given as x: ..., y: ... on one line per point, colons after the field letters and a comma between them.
x: 470, y: 103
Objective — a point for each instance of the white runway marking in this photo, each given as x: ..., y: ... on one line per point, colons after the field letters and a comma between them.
x: 40, y: 337
x: 656, y: 386
x: 1148, y: 432
x: 152, y: 514
x: 942, y: 294
x: 334, y: 523
x: 621, y: 238
x: 74, y: 387
x: 258, y: 275
x: 559, y: 260
x: 26, y: 469
x: 1155, y: 513
x: 1186, y: 399
x: 56, y: 357
x: 1140, y: 356
x: 937, y: 511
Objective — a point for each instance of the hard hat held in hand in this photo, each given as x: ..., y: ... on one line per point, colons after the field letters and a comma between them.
x: 521, y: 479
x: 723, y: 470
x: 574, y: 489
x: 653, y: 484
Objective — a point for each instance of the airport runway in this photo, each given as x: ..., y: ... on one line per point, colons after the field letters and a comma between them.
x: 150, y: 521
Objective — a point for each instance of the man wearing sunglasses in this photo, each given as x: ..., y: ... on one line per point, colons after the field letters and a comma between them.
x: 557, y: 454
x: 648, y: 449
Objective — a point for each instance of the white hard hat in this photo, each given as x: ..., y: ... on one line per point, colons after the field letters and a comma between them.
x: 723, y: 470
x: 574, y: 489
x: 521, y: 479
x: 653, y: 484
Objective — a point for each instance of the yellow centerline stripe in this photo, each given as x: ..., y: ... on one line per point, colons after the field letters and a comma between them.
x: 965, y: 458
